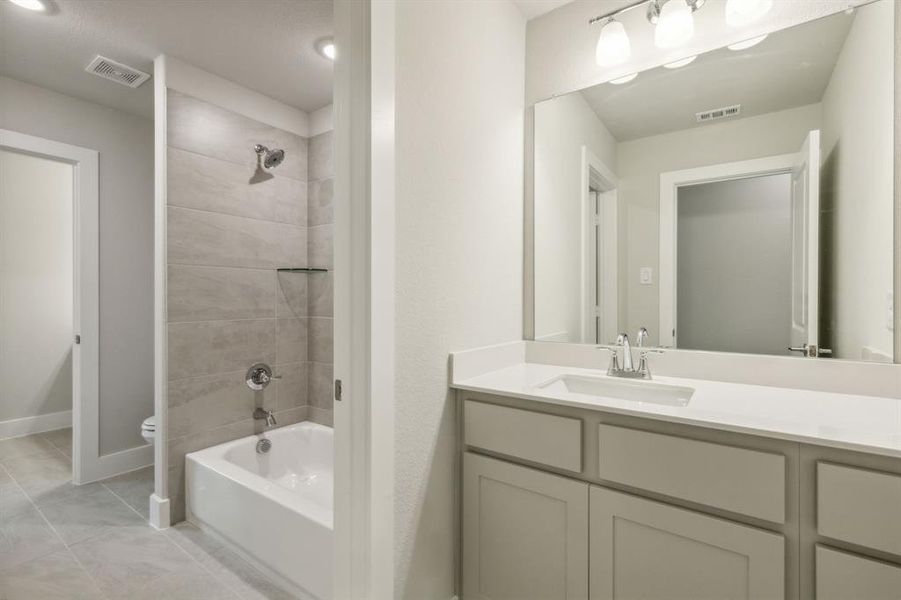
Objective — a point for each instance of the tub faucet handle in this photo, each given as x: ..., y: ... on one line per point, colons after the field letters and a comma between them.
x: 260, y: 414
x: 259, y: 376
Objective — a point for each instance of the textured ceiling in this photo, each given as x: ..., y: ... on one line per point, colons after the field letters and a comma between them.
x: 265, y: 45
x: 790, y: 68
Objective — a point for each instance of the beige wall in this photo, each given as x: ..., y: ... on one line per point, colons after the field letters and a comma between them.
x: 36, y: 294
x: 458, y: 243
x: 640, y: 163
x: 857, y: 194
x: 562, y: 127
x: 125, y: 144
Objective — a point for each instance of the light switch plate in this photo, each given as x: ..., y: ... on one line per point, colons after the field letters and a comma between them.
x: 646, y: 275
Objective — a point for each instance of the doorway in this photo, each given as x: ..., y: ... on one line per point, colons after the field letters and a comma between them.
x: 599, y: 287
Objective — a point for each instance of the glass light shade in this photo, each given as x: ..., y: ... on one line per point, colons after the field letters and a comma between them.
x: 680, y: 63
x: 613, y: 46
x: 622, y: 80
x: 747, y: 43
x: 744, y: 12
x: 36, y: 5
x: 675, y: 25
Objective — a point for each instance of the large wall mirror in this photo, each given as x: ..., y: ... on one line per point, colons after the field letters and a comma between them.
x: 742, y: 201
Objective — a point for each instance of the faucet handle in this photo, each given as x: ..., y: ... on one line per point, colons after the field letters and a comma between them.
x: 642, y: 336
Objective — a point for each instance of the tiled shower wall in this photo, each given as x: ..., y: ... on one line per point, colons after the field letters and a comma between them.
x: 230, y: 226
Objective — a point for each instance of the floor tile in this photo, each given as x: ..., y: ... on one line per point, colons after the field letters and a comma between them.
x: 134, y: 489
x: 96, y: 512
x: 56, y: 576
x: 191, y: 582
x: 61, y: 439
x: 24, y: 534
x: 41, y: 476
x: 30, y: 445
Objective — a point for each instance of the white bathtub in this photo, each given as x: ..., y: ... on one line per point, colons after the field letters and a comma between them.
x: 275, y: 508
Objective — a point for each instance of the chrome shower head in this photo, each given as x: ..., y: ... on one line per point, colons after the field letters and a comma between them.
x: 270, y: 158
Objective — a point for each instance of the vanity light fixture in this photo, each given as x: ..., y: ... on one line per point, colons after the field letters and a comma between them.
x: 326, y: 48
x: 744, y: 12
x: 622, y: 80
x: 675, y: 25
x: 613, y: 45
x: 680, y: 63
x: 747, y: 43
x: 35, y: 5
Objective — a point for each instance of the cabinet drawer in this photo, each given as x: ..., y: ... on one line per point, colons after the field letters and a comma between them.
x: 537, y: 437
x: 844, y: 576
x: 859, y: 506
x: 748, y: 482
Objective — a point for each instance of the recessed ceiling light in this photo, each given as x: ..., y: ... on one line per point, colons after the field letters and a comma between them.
x: 622, y: 80
x: 680, y: 63
x: 36, y: 5
x: 747, y: 43
x: 326, y: 47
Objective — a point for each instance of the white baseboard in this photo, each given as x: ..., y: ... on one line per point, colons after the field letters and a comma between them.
x: 37, y: 424
x: 159, y: 512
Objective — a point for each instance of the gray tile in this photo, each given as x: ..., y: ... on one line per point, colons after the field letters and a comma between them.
x: 200, y: 403
x: 41, y: 476
x: 197, y: 181
x: 292, y: 415
x: 320, y: 200
x: 211, y: 239
x: 321, y: 339
x: 293, y: 294
x: 24, y: 534
x: 94, y: 514
x: 208, y: 347
x: 292, y: 340
x: 123, y: 562
x: 190, y: 582
x: 56, y: 576
x: 30, y: 445
x: 323, y: 416
x: 211, y: 293
x: 134, y: 489
x: 321, y: 382
x: 293, y: 387
x: 321, y: 156
x: 320, y: 250
x: 210, y: 130
x: 321, y: 294
x: 61, y: 439
x: 229, y: 568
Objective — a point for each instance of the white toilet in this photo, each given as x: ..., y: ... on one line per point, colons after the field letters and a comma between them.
x: 148, y: 429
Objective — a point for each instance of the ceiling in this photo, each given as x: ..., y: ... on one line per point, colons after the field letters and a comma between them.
x: 788, y: 69
x: 535, y: 8
x: 265, y: 45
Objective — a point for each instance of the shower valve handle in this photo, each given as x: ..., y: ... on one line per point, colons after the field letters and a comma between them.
x: 259, y: 376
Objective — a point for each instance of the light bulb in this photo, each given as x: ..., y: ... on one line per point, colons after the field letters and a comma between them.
x: 747, y: 43
x: 680, y: 63
x: 675, y: 25
x: 613, y: 45
x: 744, y: 12
x: 326, y: 48
x: 35, y: 5
x: 622, y: 80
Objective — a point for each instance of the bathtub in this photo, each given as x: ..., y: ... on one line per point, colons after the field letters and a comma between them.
x: 274, y: 508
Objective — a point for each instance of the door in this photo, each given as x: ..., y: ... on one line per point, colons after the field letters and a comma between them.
x: 649, y: 550
x: 806, y: 247
x: 841, y: 576
x: 525, y: 533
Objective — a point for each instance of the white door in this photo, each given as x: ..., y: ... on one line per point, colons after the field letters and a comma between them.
x: 805, y: 247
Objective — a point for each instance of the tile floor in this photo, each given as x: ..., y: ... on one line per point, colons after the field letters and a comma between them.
x: 59, y: 541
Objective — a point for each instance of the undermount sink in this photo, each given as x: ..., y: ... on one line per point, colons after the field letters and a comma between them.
x: 620, y: 389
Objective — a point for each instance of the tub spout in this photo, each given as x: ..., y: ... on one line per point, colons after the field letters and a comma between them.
x: 262, y: 414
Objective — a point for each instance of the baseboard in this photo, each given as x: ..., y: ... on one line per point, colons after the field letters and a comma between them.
x: 159, y: 512
x: 37, y: 424
x: 110, y: 465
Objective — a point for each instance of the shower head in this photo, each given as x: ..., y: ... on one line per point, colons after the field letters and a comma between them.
x: 270, y: 158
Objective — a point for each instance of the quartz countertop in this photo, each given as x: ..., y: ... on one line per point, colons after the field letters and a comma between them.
x: 853, y: 422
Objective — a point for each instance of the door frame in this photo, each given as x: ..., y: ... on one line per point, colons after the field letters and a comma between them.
x: 596, y: 174
x: 86, y: 460
x: 670, y: 182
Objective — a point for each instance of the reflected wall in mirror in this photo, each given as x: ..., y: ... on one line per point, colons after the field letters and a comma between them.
x: 742, y: 202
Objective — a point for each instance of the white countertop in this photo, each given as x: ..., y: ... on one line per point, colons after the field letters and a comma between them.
x: 854, y: 422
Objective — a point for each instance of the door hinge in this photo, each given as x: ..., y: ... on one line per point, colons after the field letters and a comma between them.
x: 338, y: 390
x: 77, y: 338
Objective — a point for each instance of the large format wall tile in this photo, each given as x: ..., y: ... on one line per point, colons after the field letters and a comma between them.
x: 204, y: 238
x: 215, y: 293
x: 320, y: 196
x: 320, y: 251
x: 292, y: 294
x: 322, y: 156
x: 292, y: 388
x: 321, y: 293
x: 200, y: 403
x: 197, y: 181
x: 321, y: 343
x: 208, y: 347
x: 207, y: 129
x: 292, y: 341
x: 321, y: 385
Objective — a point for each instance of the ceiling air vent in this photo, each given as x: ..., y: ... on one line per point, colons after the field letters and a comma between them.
x: 116, y: 71
x: 718, y: 113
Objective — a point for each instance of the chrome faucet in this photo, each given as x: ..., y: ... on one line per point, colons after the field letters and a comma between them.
x: 628, y: 370
x: 261, y: 413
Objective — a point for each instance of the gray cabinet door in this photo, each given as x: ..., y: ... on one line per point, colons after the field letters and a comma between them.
x: 525, y: 533
x: 643, y: 550
x: 844, y: 576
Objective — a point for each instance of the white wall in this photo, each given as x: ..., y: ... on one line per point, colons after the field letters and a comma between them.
x: 125, y: 143
x: 459, y: 177
x: 562, y: 127
x: 640, y: 163
x: 858, y: 150
x: 36, y: 294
